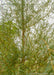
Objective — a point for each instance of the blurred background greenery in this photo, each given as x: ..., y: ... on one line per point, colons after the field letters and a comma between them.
x: 26, y: 37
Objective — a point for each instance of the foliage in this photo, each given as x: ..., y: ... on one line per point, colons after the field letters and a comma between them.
x: 26, y: 38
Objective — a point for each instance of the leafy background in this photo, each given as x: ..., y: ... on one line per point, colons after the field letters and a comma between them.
x: 26, y: 37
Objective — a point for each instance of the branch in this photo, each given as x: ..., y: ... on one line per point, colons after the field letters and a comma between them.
x: 33, y: 22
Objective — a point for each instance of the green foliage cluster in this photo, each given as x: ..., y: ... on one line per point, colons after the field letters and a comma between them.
x: 27, y: 38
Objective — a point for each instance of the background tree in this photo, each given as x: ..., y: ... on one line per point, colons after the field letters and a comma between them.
x: 26, y: 44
